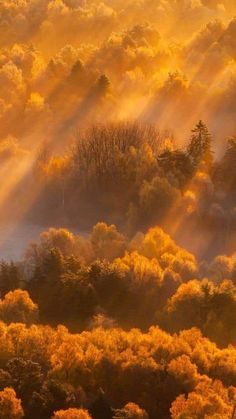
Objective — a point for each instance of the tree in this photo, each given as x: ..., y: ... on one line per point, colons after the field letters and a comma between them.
x: 58, y: 168
x: 176, y: 165
x: 44, y: 285
x: 76, y: 71
x: 184, y: 372
x: 26, y: 377
x: 210, y: 307
x: 10, y: 406
x: 155, y: 199
x: 109, y: 164
x: 103, y: 84
x: 226, y: 171
x: 131, y: 411
x: 100, y: 408
x: 71, y: 414
x: 77, y: 298
x: 9, y: 277
x: 62, y: 289
x: 200, y: 146
x: 209, y: 400
x: 17, y: 306
x: 53, y: 396
x: 107, y: 242
x: 111, y: 288
x: 61, y: 239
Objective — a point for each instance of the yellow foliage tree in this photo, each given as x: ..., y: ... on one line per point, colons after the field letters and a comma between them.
x: 71, y: 414
x: 107, y: 242
x: 10, y: 406
x: 17, y: 306
x: 131, y: 411
x: 209, y: 400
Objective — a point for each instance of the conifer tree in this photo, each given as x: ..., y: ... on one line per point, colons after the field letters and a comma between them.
x: 200, y: 146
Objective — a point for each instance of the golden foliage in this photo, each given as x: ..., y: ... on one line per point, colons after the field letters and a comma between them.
x: 71, y: 414
x: 17, y: 306
x: 10, y: 406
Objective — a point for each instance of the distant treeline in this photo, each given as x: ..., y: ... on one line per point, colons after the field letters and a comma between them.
x: 135, y: 176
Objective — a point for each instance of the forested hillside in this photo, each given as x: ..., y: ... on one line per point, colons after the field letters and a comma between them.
x: 117, y: 209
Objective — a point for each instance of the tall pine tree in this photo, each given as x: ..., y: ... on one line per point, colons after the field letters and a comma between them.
x: 200, y: 146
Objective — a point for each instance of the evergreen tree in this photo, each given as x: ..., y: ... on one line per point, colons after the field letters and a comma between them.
x: 229, y: 159
x: 103, y: 83
x: 226, y: 173
x: 200, y: 146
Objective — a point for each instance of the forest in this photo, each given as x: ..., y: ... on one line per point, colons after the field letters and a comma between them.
x: 123, y: 322
x: 118, y: 161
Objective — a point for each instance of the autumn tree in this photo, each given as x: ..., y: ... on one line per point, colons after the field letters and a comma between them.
x: 107, y: 242
x: 10, y: 406
x: 210, y: 399
x: 71, y: 414
x: 61, y: 239
x: 176, y: 166
x: 155, y: 200
x: 17, y: 306
x: 109, y: 163
x: 26, y: 377
x: 53, y: 396
x: 131, y: 411
x: 203, y: 301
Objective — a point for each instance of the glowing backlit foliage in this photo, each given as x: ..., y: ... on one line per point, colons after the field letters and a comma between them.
x: 10, y: 406
x: 184, y: 371
x: 131, y: 411
x: 210, y: 307
x: 209, y: 400
x: 156, y: 198
x: 71, y: 414
x: 58, y: 238
x: 153, y: 274
x: 63, y: 240
x: 17, y: 306
x: 157, y: 244
x: 107, y: 242
x: 139, y: 267
x: 57, y: 166
x: 222, y: 267
x: 138, y: 59
x: 151, y: 369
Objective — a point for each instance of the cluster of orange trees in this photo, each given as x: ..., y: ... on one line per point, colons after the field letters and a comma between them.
x: 122, y: 322
x: 107, y: 327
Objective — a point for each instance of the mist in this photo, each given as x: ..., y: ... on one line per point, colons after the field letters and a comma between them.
x: 117, y: 209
